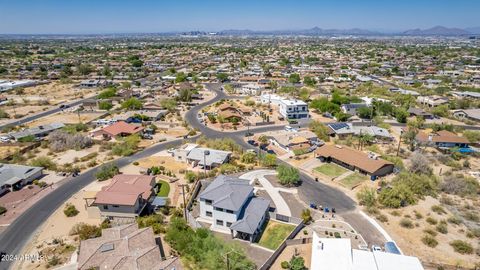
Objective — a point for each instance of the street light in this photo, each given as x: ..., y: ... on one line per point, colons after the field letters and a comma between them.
x: 205, y: 154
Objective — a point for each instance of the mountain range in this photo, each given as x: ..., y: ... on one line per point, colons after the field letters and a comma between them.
x: 317, y: 31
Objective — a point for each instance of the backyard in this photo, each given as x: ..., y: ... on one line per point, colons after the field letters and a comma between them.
x: 331, y: 170
x: 274, y: 234
x: 164, y: 188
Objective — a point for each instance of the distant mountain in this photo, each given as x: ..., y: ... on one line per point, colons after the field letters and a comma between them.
x: 315, y: 31
x: 473, y: 30
x: 437, y: 31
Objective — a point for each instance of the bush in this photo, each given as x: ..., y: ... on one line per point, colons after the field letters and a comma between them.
x: 44, y: 162
x: 306, y: 216
x: 442, y: 228
x: 430, y: 232
x: 438, y: 209
x: 367, y: 196
x: 70, y: 210
x: 106, y: 172
x: 406, y: 223
x: 155, y: 221
x: 86, y: 231
x: 431, y: 221
x: 249, y: 158
x: 3, y: 210
x: 268, y: 160
x: 454, y: 220
x: 190, y: 176
x: 287, y: 175
x: 460, y: 185
x: 462, y: 247
x: 61, y: 141
x: 429, y: 241
x: 419, y: 164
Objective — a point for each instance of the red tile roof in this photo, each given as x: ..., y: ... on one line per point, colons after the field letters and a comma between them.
x: 122, y: 127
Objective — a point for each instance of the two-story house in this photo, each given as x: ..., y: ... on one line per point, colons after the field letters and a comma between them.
x: 229, y: 204
x: 126, y: 197
x: 293, y: 108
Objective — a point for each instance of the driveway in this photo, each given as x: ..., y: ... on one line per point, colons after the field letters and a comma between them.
x: 273, y: 192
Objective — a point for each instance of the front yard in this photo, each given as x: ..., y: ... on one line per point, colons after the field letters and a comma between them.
x: 274, y: 234
x: 353, y: 180
x: 331, y: 170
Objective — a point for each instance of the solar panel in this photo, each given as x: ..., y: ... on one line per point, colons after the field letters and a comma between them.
x: 337, y: 126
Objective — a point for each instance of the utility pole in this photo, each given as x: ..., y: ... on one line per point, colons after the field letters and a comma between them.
x: 399, y: 141
x: 184, y: 202
x: 205, y: 154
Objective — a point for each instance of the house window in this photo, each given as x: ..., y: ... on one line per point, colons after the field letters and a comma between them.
x: 229, y: 224
x: 105, y: 207
x: 116, y: 206
x: 208, y: 214
x: 219, y: 209
x: 208, y: 202
x: 230, y: 211
x: 219, y: 222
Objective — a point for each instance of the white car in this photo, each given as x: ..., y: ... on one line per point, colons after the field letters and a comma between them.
x: 5, y: 139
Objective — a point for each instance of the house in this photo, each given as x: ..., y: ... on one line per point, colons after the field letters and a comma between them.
x: 229, y: 204
x: 337, y: 253
x: 442, y: 139
x: 126, y: 197
x: 195, y: 155
x: 292, y: 141
x: 343, y: 130
x: 119, y: 128
x: 14, y: 177
x: 466, y: 94
x: 420, y: 113
x: 37, y: 132
x: 403, y: 91
x: 352, y: 108
x: 432, y: 101
x: 470, y: 114
x: 354, y: 160
x: 227, y: 110
x: 293, y: 109
x: 249, y: 89
x: 9, y: 85
x: 124, y: 247
x: 90, y: 83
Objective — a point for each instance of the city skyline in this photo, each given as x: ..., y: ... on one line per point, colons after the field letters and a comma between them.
x: 91, y: 17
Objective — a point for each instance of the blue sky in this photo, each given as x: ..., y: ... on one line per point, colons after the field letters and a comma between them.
x: 121, y: 16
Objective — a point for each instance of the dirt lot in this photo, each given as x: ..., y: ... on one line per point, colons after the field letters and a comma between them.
x: 67, y: 117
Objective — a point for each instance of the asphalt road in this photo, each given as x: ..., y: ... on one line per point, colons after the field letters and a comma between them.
x: 41, y: 114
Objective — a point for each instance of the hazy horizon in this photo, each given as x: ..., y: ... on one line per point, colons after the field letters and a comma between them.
x: 108, y: 16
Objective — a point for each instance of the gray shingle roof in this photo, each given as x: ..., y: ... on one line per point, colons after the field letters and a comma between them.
x: 251, y: 216
x: 215, y: 156
x: 227, y: 192
x: 36, y: 131
x: 12, y: 173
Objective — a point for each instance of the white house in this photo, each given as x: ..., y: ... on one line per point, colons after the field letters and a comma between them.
x: 229, y: 204
x: 293, y: 109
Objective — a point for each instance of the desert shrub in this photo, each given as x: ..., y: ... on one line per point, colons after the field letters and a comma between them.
x: 70, y: 210
x: 382, y: 218
x: 106, y: 172
x: 155, y: 221
x: 406, y: 223
x: 460, y: 185
x: 419, y: 164
x: 44, y: 162
x: 285, y: 265
x: 190, y: 176
x: 306, y: 216
x: 454, y: 220
x: 442, y: 227
x: 429, y: 241
x: 127, y: 146
x: 430, y: 232
x: 337, y: 235
x: 431, y: 221
x: 367, y: 196
x: 418, y: 215
x: 438, y: 209
x: 86, y: 231
x: 396, y: 196
x: 3, y: 210
x: 61, y: 141
x: 249, y: 157
x: 472, y: 216
x: 461, y: 247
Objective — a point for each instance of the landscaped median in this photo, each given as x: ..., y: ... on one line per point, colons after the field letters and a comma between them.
x: 274, y: 234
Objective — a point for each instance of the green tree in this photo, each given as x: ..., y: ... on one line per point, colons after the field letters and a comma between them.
x: 365, y: 112
x: 181, y: 77
x: 287, y: 175
x: 107, y: 93
x: 297, y: 263
x: 132, y: 104
x: 307, y: 80
x: 106, y: 172
x: 401, y: 115
x: 320, y: 130
x: 105, y: 105
x: 294, y: 78
x: 367, y: 196
x: 249, y: 157
x: 222, y: 77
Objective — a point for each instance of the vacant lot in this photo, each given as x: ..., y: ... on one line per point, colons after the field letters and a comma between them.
x: 331, y: 170
x: 352, y: 180
x: 274, y: 234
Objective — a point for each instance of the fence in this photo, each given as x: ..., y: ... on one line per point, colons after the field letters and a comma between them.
x: 283, y: 218
x: 280, y: 249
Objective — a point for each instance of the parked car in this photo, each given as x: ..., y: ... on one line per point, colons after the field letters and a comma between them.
x: 147, y: 136
x: 252, y: 142
x: 376, y: 248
